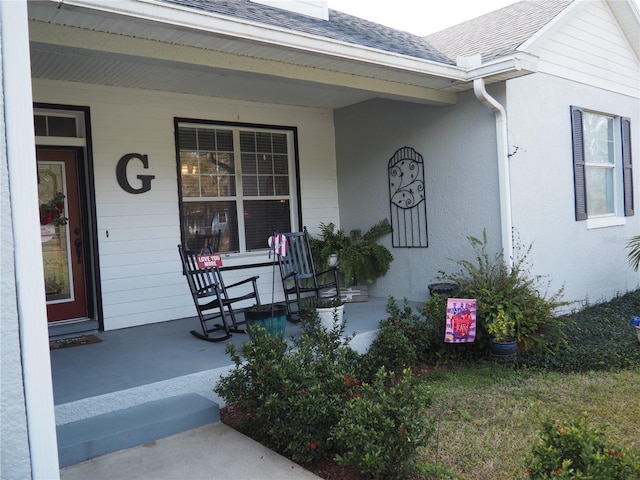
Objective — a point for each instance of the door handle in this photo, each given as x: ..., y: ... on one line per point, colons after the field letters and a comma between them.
x: 78, y: 244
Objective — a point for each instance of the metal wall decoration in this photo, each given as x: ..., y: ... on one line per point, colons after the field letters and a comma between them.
x: 408, y: 202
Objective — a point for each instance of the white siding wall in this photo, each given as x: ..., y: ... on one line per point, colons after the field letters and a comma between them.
x: 459, y: 149
x: 590, y: 262
x: 139, y: 265
x: 591, y: 49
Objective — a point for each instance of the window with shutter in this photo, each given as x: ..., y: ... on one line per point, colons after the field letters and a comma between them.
x: 627, y: 166
x: 602, y: 165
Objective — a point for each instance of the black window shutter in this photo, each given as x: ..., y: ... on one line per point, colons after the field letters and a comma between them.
x: 627, y: 166
x: 579, y: 182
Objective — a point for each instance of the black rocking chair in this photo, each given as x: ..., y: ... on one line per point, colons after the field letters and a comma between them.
x: 299, y: 276
x: 211, y: 298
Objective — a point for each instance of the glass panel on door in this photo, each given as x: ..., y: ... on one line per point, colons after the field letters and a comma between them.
x: 53, y: 231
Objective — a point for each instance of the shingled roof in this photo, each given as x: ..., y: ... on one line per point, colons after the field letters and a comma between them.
x: 498, y: 33
x: 340, y: 26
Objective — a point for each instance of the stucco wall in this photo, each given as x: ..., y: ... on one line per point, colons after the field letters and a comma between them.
x: 591, y: 263
x: 459, y: 148
x: 14, y: 444
x: 139, y: 265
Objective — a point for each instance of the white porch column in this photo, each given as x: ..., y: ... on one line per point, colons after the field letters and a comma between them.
x: 29, y: 284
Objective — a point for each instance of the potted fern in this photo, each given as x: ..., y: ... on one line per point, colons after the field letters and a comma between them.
x: 361, y: 259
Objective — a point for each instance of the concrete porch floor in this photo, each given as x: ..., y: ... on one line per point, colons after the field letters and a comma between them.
x: 141, y: 364
x: 155, y: 382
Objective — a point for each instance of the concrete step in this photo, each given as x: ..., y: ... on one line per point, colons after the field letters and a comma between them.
x: 92, y: 437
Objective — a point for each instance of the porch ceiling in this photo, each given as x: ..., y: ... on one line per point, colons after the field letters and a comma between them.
x: 86, y: 66
x: 153, y: 45
x: 81, y: 42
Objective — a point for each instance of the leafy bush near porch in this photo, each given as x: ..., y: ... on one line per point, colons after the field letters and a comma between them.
x: 403, y: 340
x: 575, y: 449
x: 295, y: 396
x: 512, y: 291
x: 376, y: 432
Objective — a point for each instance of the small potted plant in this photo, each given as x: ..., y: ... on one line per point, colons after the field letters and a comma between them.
x: 272, y: 317
x: 501, y: 327
x: 330, y: 310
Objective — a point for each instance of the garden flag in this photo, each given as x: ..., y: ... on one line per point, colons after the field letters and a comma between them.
x: 461, y: 320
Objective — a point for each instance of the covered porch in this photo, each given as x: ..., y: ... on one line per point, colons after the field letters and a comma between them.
x: 134, y: 370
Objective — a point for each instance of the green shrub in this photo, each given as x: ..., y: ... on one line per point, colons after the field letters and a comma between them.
x: 573, y: 449
x: 294, y: 395
x: 306, y: 399
x: 435, y: 312
x: 512, y: 290
x: 404, y: 340
x: 382, y: 427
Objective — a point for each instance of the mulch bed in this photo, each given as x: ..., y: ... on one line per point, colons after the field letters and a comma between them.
x: 329, y: 470
x: 232, y: 416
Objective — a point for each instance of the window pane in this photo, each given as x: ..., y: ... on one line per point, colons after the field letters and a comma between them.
x: 224, y: 139
x: 249, y: 164
x: 282, y: 185
x: 265, y: 164
x: 206, y: 139
x: 248, y: 141
x: 201, y: 221
x: 598, y: 138
x: 189, y: 177
x: 40, y: 124
x: 62, y: 127
x: 265, y: 186
x: 279, y: 142
x: 187, y: 138
x: 262, y: 218
x: 280, y: 165
x: 250, y: 185
x: 599, y: 191
x: 263, y: 142
x: 207, y: 174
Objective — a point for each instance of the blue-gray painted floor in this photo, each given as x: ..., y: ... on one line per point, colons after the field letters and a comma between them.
x: 137, y: 356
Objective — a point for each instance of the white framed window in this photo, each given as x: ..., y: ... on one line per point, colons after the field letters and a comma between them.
x: 602, y: 166
x: 237, y: 184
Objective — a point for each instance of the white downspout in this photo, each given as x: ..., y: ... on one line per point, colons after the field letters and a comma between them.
x: 504, y: 183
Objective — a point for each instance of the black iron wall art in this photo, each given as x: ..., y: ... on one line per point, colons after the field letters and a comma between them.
x: 121, y: 173
x: 408, y: 202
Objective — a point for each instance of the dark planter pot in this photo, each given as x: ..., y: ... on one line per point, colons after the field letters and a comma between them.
x: 443, y: 288
x: 272, y: 318
x: 504, y: 350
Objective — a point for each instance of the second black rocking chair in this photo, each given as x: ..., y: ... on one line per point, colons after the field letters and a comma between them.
x: 211, y: 297
x: 299, y: 276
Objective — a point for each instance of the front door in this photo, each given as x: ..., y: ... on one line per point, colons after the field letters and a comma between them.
x: 61, y: 234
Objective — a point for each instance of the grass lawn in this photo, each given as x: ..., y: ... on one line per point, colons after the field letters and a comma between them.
x: 489, y: 415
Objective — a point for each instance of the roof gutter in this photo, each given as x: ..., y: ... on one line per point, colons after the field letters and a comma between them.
x: 504, y: 183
